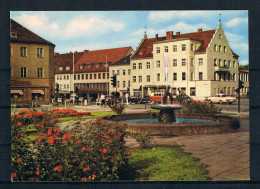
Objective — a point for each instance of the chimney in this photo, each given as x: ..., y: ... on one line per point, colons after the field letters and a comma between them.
x: 75, y: 52
x: 56, y: 54
x: 85, y: 51
x: 178, y: 33
x: 169, y: 35
x: 200, y: 30
x: 156, y: 37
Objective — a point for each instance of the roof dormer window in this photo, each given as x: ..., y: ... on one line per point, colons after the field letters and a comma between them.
x: 97, y: 66
x: 67, y: 68
x: 60, y: 68
x: 80, y: 66
x: 13, y: 35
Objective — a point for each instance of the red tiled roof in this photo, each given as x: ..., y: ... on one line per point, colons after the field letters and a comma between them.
x: 100, y: 56
x: 64, y: 60
x: 205, y: 36
x: 26, y: 36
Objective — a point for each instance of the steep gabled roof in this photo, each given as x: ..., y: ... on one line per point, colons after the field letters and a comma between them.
x: 123, y: 61
x: 64, y: 60
x: 100, y: 57
x: 24, y: 35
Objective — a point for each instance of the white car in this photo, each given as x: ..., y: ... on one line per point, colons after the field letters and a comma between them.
x: 221, y: 98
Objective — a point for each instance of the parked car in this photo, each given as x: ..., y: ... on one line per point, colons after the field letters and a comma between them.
x: 221, y: 98
x: 134, y: 99
x: 144, y: 100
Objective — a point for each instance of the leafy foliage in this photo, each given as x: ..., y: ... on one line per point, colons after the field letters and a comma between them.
x: 200, y: 107
x: 118, y: 108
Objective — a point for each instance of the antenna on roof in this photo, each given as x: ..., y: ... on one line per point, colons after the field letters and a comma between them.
x: 220, y: 18
x: 145, y: 30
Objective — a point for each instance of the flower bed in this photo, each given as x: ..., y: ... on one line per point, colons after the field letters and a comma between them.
x: 197, y: 106
x: 95, y: 152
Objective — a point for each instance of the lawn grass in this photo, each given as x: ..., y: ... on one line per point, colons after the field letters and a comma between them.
x: 95, y: 114
x: 227, y: 113
x: 165, y: 164
x: 153, y: 111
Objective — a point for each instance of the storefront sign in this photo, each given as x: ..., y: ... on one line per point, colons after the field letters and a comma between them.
x: 20, y: 92
x: 38, y: 91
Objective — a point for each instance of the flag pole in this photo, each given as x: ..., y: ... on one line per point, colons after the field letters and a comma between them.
x: 73, y: 77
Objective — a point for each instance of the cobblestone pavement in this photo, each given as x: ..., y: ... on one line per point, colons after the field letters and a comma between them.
x: 227, y: 155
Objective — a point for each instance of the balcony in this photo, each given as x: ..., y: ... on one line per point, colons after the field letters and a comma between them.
x: 222, y: 68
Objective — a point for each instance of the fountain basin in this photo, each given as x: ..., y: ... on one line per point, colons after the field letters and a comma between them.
x: 218, y: 124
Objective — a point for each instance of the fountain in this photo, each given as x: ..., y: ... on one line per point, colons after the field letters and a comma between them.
x: 166, y: 114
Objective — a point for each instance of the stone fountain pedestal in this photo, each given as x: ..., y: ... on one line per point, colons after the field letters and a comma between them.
x: 166, y: 114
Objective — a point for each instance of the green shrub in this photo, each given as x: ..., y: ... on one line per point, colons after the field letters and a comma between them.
x: 144, y: 140
x: 118, y: 108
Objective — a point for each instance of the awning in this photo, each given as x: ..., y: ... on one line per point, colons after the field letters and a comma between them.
x: 38, y: 91
x: 20, y: 92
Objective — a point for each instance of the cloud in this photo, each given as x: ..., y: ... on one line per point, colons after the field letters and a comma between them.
x: 164, y: 16
x: 237, y: 42
x: 243, y: 62
x: 178, y: 27
x: 85, y: 26
x: 236, y: 21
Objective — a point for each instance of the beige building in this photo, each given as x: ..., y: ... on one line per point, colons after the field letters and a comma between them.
x: 244, y: 77
x: 199, y: 64
x: 32, y: 66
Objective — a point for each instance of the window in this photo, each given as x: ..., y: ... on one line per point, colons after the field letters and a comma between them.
x: 68, y: 86
x: 97, y: 66
x: 67, y: 68
x: 75, y: 77
x: 200, y: 76
x: 183, y: 62
x: 158, y: 49
x: 64, y: 77
x: 99, y: 76
x: 215, y: 62
x: 174, y: 76
x: 113, y: 72
x: 82, y: 76
x: 68, y: 77
x: 13, y: 35
x: 23, y: 51
x: 118, y: 84
x: 140, y: 65
x: 134, y: 79
x: 225, y: 49
x: 158, y: 77
x: 104, y: 75
x: 191, y: 47
x: 183, y: 47
x: 174, y: 48
x: 148, y: 78
x: 39, y: 52
x: 80, y: 66
x: 183, y: 76
x: 200, y: 61
x: 225, y: 63
x: 192, y: 91
x: 174, y: 62
x: 23, y: 71
x: 219, y: 36
x: 123, y: 84
x: 90, y: 76
x: 192, y: 61
x: 40, y: 72
x: 166, y: 48
x: 234, y: 64
x: 134, y: 66
x: 95, y: 76
x: 191, y: 76
x: 58, y: 77
x: 229, y: 63
x: 129, y: 71
x: 86, y: 76
x: 158, y: 63
x: 118, y: 72
x: 148, y: 65
x: 88, y: 66
x: 128, y: 83
x: 215, y: 48
x: 60, y: 68
x: 78, y: 76
x: 60, y: 86
x: 123, y: 72
x: 140, y: 78
x: 220, y: 62
x: 219, y: 48
x: 174, y: 91
x: 64, y: 86
x: 234, y: 77
x: 107, y: 75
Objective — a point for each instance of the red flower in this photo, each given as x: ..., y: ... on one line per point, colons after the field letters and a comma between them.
x: 13, y: 175
x: 56, y: 130
x: 77, y: 141
x: 65, y: 141
x: 83, y: 148
x: 128, y: 153
x: 19, y: 124
x: 58, y: 168
x: 22, y: 134
x: 84, y: 179
x: 89, y: 178
x: 39, y: 140
x: 37, y: 172
x: 64, y: 136
x: 104, y: 150
x: 125, y: 123
x: 49, y: 132
x: 19, y: 160
x: 31, y: 179
x: 38, y: 125
x: 69, y: 135
x: 55, y: 120
x: 51, y: 141
x: 94, y: 176
x: 109, y: 141
x: 85, y: 169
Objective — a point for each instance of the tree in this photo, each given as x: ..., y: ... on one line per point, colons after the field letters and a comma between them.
x: 244, y: 67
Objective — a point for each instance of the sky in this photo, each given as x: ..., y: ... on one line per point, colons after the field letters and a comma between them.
x: 93, y: 30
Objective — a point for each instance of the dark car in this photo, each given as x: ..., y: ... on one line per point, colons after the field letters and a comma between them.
x: 144, y: 100
x: 134, y: 100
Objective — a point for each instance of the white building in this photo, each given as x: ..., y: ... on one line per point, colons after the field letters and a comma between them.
x: 199, y: 64
x: 244, y: 77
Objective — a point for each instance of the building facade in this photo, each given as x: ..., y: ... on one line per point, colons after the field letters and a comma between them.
x: 244, y: 77
x: 198, y: 64
x: 32, y: 66
x: 92, y: 76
